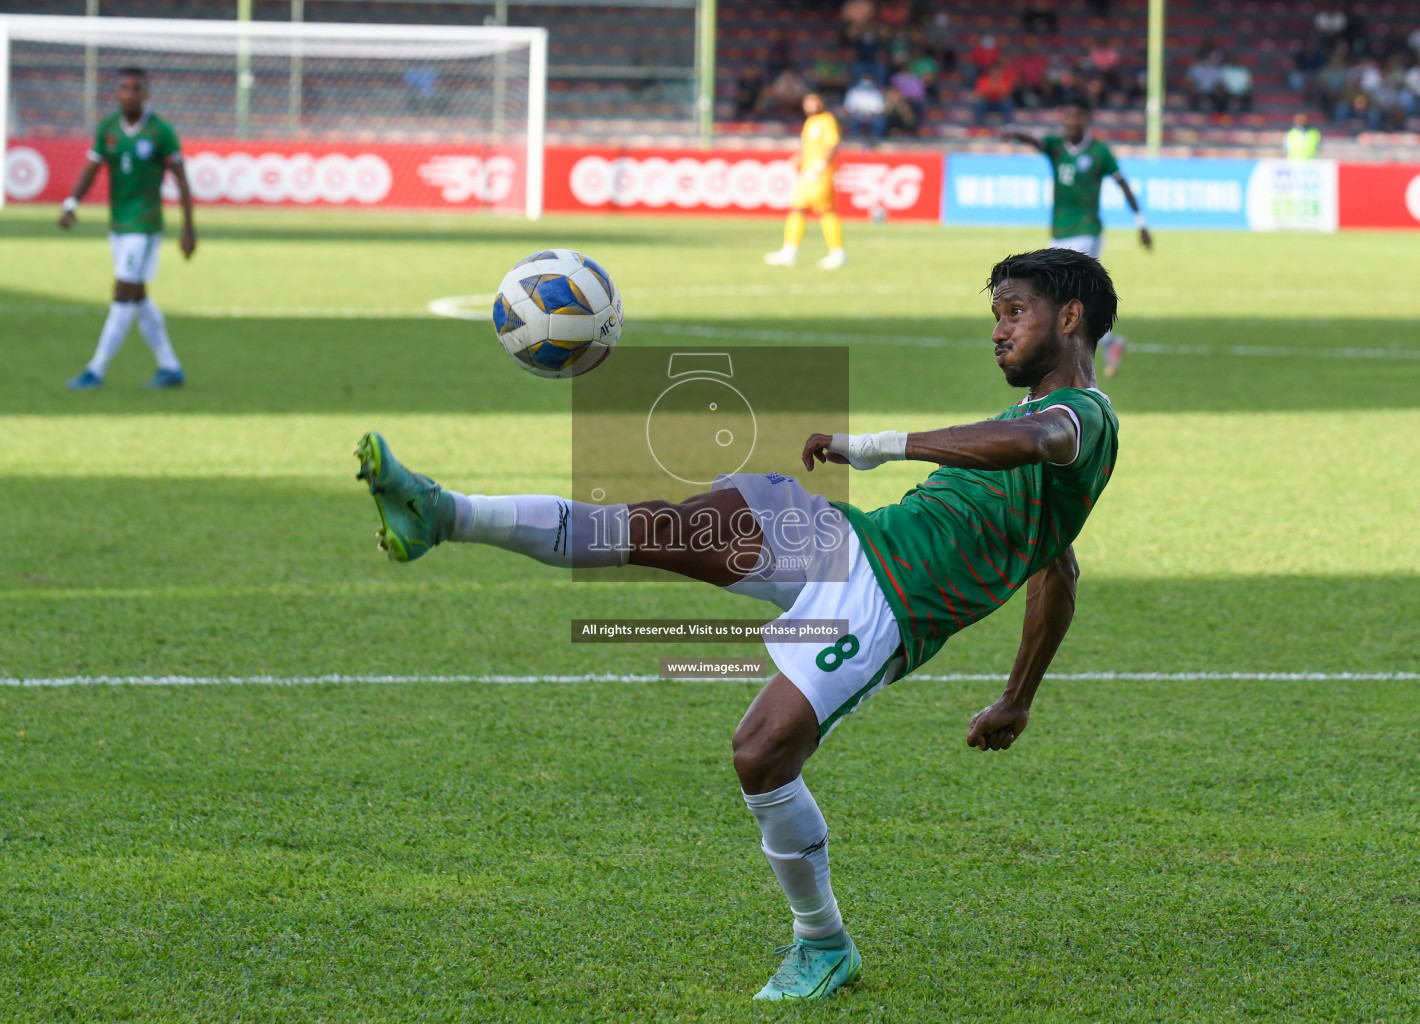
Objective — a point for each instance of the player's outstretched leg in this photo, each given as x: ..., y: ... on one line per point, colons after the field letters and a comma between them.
x: 415, y: 513
x: 710, y: 537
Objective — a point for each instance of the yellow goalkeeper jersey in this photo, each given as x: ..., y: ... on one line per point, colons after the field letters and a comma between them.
x: 819, y: 138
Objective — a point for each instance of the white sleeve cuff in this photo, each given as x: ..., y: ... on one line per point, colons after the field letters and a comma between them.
x: 1079, y: 435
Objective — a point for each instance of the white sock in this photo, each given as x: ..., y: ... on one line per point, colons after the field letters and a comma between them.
x: 796, y: 843
x: 553, y: 530
x: 116, y: 326
x: 155, y: 333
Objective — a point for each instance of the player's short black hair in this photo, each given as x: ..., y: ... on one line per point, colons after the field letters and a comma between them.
x: 1061, y: 275
x: 132, y: 71
x: 1079, y: 101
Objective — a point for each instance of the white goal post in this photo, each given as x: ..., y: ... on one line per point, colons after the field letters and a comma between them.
x: 279, y: 113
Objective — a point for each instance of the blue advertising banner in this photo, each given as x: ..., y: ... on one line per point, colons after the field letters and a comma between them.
x: 1174, y: 193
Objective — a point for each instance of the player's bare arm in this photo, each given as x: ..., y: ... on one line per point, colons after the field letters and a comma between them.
x: 68, y: 214
x: 1145, y: 239
x: 989, y: 445
x: 1024, y: 139
x: 187, y: 241
x: 1050, y: 607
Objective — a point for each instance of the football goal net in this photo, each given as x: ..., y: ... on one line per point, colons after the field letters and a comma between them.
x: 275, y: 113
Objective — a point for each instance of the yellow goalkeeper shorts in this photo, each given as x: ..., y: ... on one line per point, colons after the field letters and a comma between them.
x: 815, y: 196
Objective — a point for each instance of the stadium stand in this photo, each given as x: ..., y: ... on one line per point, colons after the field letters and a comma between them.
x: 1237, y: 71
x: 1279, y: 58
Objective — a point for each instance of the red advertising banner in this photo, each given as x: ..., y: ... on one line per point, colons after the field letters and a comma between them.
x: 295, y: 174
x: 1379, y: 195
x: 905, y: 186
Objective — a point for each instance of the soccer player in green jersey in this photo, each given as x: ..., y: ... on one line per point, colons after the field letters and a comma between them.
x: 138, y: 148
x: 999, y: 512
x: 1080, y: 163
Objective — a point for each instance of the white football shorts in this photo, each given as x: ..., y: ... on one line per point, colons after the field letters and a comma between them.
x: 135, y: 256
x: 1090, y: 245
x: 829, y: 578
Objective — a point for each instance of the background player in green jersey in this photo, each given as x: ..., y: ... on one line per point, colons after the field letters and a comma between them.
x: 1000, y: 513
x: 138, y: 147
x: 1080, y: 163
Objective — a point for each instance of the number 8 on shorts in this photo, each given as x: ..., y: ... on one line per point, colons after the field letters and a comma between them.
x: 837, y: 653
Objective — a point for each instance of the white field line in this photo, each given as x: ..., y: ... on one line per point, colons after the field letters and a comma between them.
x: 477, y: 307
x: 950, y: 677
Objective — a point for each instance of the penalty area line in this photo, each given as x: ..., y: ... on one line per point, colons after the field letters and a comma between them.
x: 508, y: 679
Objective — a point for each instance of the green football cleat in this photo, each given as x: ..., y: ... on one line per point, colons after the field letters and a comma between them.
x: 812, y: 973
x: 415, y: 513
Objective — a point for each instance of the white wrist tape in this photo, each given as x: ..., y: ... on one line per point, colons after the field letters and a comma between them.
x: 69, y: 205
x: 1139, y: 220
x: 869, y: 451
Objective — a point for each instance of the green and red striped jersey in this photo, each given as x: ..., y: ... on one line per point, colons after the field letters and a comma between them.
x: 960, y: 543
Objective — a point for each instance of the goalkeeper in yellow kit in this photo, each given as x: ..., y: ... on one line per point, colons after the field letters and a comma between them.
x: 813, y: 192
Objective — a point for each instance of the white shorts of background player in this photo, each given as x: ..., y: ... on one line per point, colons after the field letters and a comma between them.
x: 135, y: 256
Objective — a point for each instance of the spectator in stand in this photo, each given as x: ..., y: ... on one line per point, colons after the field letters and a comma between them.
x: 985, y: 55
x: 899, y: 50
x: 1393, y: 102
x: 1205, y: 83
x: 1236, y: 80
x: 941, y: 40
x: 911, y: 88
x: 749, y: 84
x: 1038, y: 17
x: 900, y: 116
x: 1413, y: 41
x: 924, y: 66
x: 1355, y: 111
x: 1412, y: 88
x: 1028, y: 69
x: 864, y: 108
x: 1104, y: 61
x: 856, y: 16
x: 784, y: 96
x: 1330, y: 24
x: 830, y: 76
x: 1308, y: 59
x: 993, y: 94
x: 1331, y: 82
x: 869, y: 53
x: 1062, y: 82
x: 894, y: 14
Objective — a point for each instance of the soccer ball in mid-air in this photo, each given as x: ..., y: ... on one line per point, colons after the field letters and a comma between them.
x: 557, y: 313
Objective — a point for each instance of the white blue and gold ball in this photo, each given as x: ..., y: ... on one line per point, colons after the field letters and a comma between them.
x: 558, y: 313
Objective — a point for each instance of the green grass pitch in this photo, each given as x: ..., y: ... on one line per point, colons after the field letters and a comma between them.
x: 1176, y: 850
